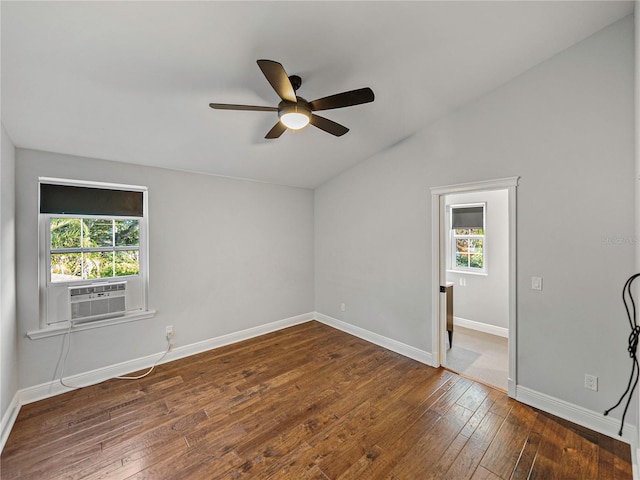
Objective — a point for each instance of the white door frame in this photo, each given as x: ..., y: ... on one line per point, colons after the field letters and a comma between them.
x: 439, y: 266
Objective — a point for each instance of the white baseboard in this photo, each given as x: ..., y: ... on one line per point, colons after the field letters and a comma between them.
x: 568, y: 411
x: 388, y: 343
x: 234, y: 337
x: 481, y: 327
x: 49, y: 389
x: 8, y: 419
x: 582, y: 416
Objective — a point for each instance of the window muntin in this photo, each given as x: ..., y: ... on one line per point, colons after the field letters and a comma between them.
x: 86, y: 248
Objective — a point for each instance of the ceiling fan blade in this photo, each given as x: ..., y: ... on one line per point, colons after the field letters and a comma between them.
x: 328, y: 126
x: 277, y: 130
x: 344, y: 99
x: 227, y: 106
x: 278, y: 78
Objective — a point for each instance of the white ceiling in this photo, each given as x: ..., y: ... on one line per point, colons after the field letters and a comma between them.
x: 131, y: 81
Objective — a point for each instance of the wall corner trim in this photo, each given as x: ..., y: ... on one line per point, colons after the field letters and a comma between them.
x: 380, y: 340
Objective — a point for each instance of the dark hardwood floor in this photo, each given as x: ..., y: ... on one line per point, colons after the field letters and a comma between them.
x: 307, y: 402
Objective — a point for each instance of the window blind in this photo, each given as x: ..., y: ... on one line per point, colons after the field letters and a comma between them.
x: 467, y: 217
x: 76, y: 200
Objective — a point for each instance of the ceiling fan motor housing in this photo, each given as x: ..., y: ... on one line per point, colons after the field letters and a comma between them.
x: 294, y: 115
x: 296, y: 81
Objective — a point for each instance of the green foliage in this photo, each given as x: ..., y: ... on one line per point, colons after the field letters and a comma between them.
x: 94, y: 233
x: 475, y: 261
x: 469, y: 252
x: 65, y: 232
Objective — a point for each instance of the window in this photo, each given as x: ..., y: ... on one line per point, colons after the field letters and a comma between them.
x: 468, y: 238
x: 91, y: 233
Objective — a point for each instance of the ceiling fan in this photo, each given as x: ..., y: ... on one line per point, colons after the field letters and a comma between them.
x: 295, y: 112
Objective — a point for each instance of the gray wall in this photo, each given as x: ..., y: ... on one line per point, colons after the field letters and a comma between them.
x: 225, y: 255
x: 8, y: 351
x: 485, y: 298
x: 566, y: 127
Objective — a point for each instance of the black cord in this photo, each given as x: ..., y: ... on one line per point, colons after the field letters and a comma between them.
x: 632, y: 349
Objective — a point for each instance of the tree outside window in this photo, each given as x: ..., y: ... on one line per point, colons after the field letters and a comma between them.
x: 91, y: 248
x: 469, y: 243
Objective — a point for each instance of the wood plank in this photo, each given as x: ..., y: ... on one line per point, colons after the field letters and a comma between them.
x: 466, y: 463
x: 503, y: 453
x: 483, y: 474
x: 529, y: 453
x: 565, y: 453
x: 432, y: 444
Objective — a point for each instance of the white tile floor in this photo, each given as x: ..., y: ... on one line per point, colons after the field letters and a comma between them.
x: 479, y: 355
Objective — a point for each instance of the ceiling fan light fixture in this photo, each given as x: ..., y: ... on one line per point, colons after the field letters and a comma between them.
x: 295, y: 117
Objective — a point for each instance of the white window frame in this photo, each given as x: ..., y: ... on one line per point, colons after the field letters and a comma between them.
x: 453, y: 267
x: 50, y: 321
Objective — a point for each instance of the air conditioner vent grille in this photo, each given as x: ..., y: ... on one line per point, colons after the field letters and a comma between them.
x: 97, y: 301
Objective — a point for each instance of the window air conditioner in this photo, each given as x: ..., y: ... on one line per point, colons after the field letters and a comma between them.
x: 97, y: 301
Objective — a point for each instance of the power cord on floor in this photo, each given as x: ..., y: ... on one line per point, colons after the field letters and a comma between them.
x: 66, y: 355
x: 632, y: 349
x: 148, y: 372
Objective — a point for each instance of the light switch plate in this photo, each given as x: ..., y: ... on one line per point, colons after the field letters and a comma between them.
x: 536, y: 283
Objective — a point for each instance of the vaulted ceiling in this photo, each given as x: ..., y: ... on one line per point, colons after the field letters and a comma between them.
x: 132, y: 81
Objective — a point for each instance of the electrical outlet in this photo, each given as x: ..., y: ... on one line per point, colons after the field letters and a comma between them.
x: 591, y: 382
x: 169, y: 331
x: 343, y: 307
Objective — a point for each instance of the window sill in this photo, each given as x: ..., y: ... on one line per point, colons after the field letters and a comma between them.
x: 466, y: 272
x: 63, y: 327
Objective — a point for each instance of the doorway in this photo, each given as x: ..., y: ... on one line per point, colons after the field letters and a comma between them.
x: 479, y: 339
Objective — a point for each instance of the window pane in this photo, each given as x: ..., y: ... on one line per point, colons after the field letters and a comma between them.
x: 65, y: 232
x: 66, y: 267
x: 477, y: 231
x: 98, y: 232
x: 475, y: 260
x: 127, y: 233
x: 462, y: 260
x: 462, y: 245
x: 475, y: 245
x: 127, y: 263
x: 461, y: 231
x: 97, y: 265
